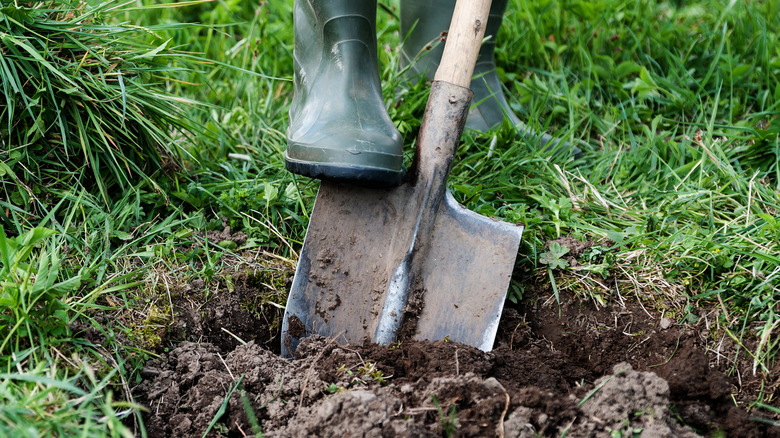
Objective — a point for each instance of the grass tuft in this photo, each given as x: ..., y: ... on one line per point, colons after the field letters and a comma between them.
x: 84, y: 105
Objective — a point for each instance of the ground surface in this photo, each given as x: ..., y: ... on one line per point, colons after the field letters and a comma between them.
x: 592, y: 371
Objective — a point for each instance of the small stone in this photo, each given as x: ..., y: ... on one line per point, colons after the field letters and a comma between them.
x: 666, y: 323
x: 492, y: 383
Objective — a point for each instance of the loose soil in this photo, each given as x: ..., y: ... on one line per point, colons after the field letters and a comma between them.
x: 578, y: 369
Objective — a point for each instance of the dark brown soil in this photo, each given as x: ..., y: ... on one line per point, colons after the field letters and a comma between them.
x: 227, y: 320
x: 590, y: 372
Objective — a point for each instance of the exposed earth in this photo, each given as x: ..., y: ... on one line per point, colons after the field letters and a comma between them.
x: 578, y: 369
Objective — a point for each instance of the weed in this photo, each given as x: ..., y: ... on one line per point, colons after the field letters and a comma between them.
x: 213, y: 424
x: 369, y: 369
x: 553, y: 260
x: 449, y: 421
x: 366, y: 372
x: 627, y: 432
x: 250, y: 414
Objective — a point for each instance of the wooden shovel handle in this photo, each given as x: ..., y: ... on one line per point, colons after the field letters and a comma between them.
x: 463, y: 42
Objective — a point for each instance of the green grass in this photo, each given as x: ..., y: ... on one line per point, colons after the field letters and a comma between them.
x: 674, y: 105
x: 84, y: 107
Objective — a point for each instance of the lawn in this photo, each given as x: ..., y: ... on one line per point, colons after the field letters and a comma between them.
x: 134, y: 134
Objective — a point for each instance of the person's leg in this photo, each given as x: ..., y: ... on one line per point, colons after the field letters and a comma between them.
x: 339, y: 127
x: 422, y: 21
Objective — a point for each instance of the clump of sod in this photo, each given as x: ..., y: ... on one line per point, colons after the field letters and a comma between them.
x: 84, y: 105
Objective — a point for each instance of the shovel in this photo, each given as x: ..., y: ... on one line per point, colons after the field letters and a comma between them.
x: 408, y: 262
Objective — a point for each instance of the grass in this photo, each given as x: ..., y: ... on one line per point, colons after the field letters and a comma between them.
x: 674, y: 105
x: 81, y: 108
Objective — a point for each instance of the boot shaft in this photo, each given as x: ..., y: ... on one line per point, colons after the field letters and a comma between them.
x: 423, y: 21
x: 319, y: 23
x: 332, y: 38
x: 339, y: 128
x: 320, y: 26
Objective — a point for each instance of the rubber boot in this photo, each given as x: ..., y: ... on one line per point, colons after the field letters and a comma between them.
x: 426, y: 20
x: 339, y: 127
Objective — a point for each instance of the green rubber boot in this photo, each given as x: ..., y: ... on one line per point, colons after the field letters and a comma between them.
x: 426, y: 20
x: 339, y: 127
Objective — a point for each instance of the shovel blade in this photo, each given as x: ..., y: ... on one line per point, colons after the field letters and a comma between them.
x: 356, y: 241
x: 345, y: 264
x: 465, y: 276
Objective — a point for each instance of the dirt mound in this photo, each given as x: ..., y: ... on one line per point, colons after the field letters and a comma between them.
x: 629, y: 401
x: 592, y: 372
x: 329, y: 390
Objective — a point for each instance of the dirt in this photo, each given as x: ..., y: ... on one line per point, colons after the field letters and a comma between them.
x: 228, y: 319
x: 578, y: 369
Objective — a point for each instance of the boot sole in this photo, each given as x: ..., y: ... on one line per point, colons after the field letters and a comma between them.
x: 360, y: 176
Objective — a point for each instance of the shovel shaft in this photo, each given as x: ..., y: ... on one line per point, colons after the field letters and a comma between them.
x: 463, y: 42
x: 445, y: 113
x: 439, y: 137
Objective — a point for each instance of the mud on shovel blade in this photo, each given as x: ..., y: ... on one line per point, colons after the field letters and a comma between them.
x: 387, y: 264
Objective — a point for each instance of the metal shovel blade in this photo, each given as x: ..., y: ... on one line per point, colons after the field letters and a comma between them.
x: 387, y: 264
x: 465, y: 276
